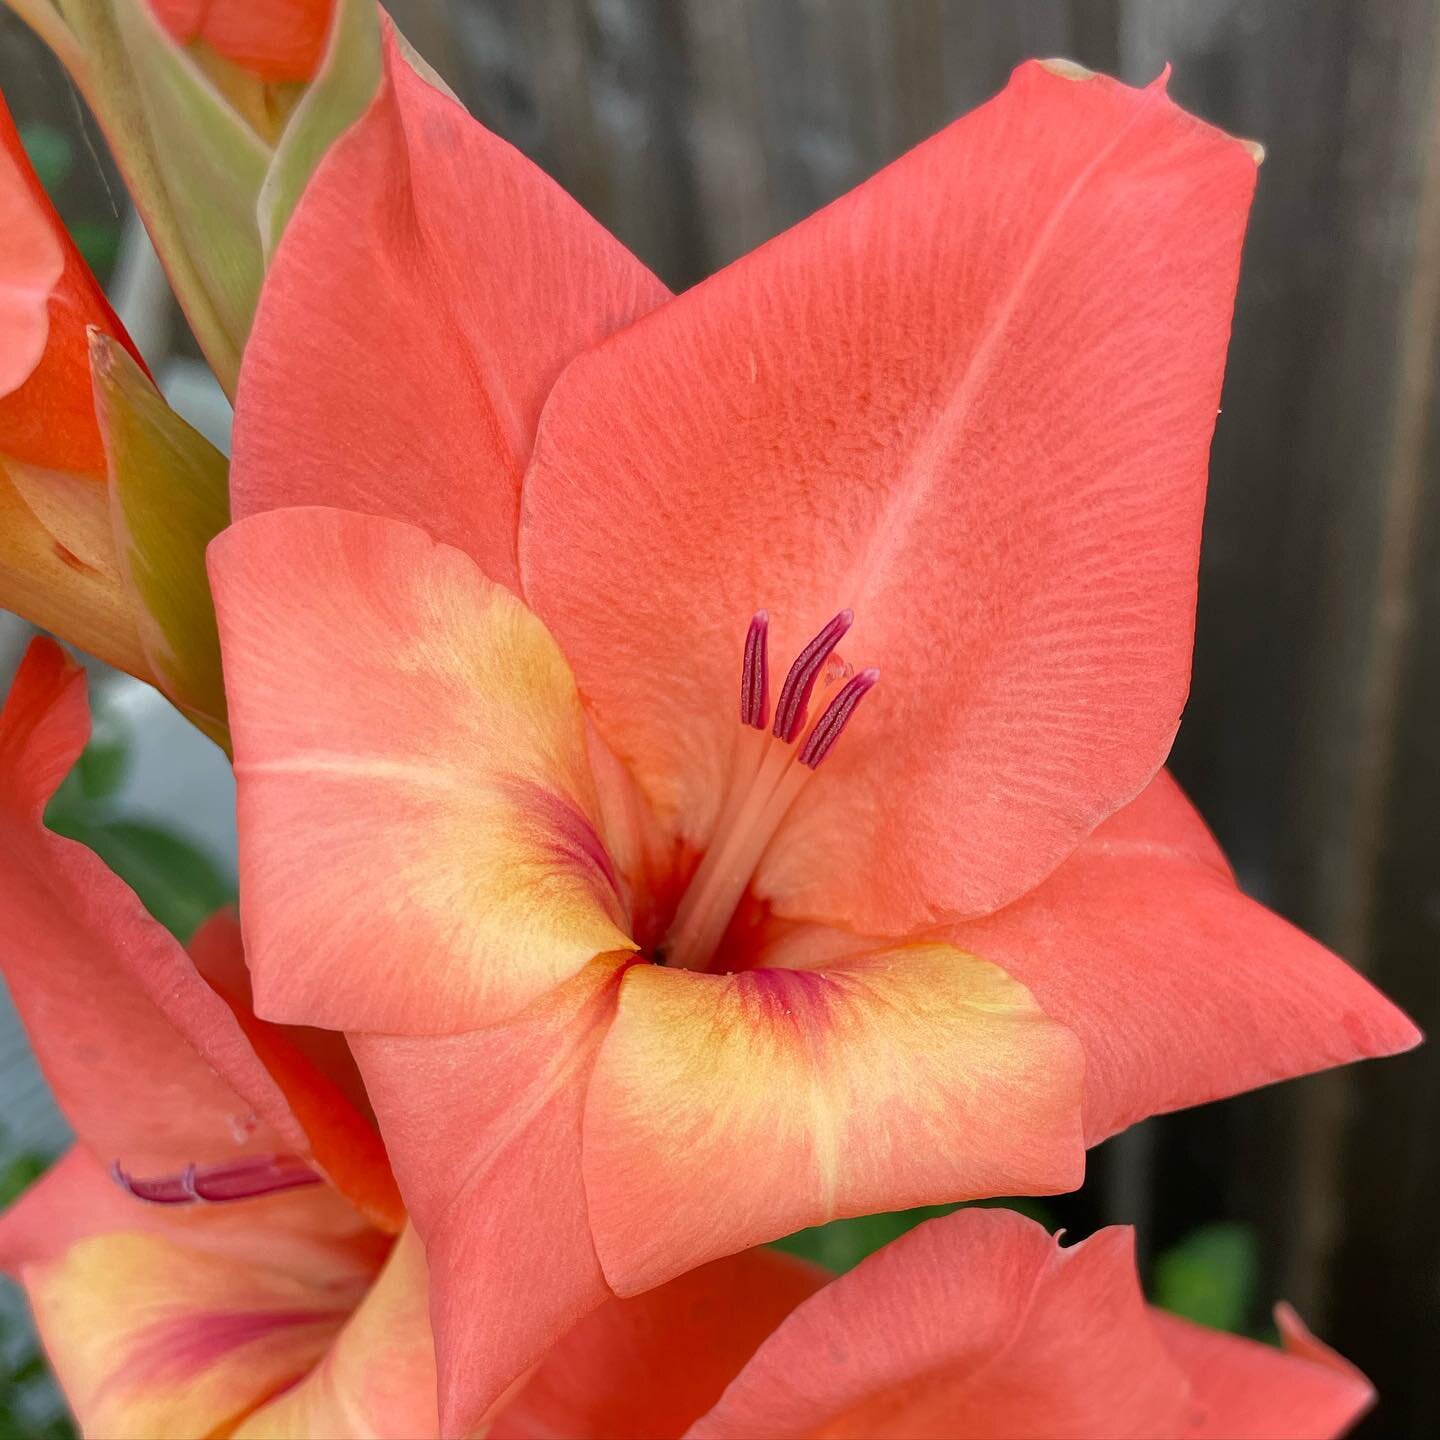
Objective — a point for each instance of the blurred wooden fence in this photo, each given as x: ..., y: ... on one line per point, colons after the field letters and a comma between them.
x: 696, y: 128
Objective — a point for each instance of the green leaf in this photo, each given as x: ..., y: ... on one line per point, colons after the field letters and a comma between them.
x: 1209, y: 1277
x: 345, y: 84
x: 169, y: 498
x: 49, y: 151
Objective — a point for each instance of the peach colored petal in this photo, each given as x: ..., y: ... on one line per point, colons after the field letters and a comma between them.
x: 430, y: 286
x: 1180, y: 988
x: 377, y: 1381
x: 973, y: 401
x: 407, y: 737
x: 485, y: 1132
x: 646, y: 1367
x: 726, y: 1110
x: 148, y: 1063
x: 976, y: 1326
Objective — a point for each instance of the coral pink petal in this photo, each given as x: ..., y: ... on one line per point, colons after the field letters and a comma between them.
x: 428, y: 289
x: 409, y: 741
x: 1181, y: 989
x: 1240, y: 1387
x: 647, y: 1367
x: 148, y: 1063
x: 485, y: 1133
x: 727, y: 1110
x: 973, y: 401
x: 976, y: 1326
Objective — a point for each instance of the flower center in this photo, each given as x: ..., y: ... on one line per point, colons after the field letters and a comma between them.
x: 769, y: 771
x: 230, y: 1180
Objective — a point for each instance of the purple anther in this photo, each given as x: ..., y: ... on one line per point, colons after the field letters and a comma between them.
x: 795, y: 693
x: 214, y: 1184
x: 755, y: 673
x: 837, y: 714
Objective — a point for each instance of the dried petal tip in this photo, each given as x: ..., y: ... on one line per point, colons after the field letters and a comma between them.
x: 214, y: 1184
x: 755, y: 673
x: 837, y: 715
x: 800, y: 682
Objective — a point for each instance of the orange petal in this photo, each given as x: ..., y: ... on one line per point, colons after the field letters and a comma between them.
x: 147, y: 1062
x: 485, y: 1133
x: 973, y: 401
x: 378, y: 1378
x: 726, y: 1110
x: 649, y: 1366
x: 431, y: 286
x: 1180, y: 988
x: 409, y: 739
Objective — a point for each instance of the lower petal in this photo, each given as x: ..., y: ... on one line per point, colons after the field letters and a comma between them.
x: 976, y: 1326
x: 484, y: 1130
x: 727, y: 1110
x: 1180, y: 987
x: 651, y: 1365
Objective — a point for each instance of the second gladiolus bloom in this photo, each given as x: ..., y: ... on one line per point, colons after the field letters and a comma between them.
x: 705, y: 752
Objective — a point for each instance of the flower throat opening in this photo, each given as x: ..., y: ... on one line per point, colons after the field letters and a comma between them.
x: 769, y: 771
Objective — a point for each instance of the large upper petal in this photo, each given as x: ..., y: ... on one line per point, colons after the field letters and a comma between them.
x: 429, y: 287
x: 408, y: 738
x: 726, y: 1110
x: 148, y: 1063
x: 486, y: 1130
x: 1180, y: 988
x: 646, y: 1367
x: 973, y: 401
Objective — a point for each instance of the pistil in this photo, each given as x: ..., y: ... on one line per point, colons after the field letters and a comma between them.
x: 767, y: 774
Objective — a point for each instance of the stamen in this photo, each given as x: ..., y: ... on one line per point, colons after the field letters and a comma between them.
x: 755, y: 674
x: 795, y: 693
x: 837, y: 714
x: 214, y: 1184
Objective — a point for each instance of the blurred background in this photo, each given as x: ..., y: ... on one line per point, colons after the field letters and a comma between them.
x: 695, y: 129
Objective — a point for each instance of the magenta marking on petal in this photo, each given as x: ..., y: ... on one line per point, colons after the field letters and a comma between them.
x: 755, y: 673
x: 215, y: 1184
x: 800, y: 682
x: 837, y: 714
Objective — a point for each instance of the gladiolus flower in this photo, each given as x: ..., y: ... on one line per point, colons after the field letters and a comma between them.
x: 187, y: 1259
x: 509, y: 689
x: 276, y: 40
x: 971, y: 1327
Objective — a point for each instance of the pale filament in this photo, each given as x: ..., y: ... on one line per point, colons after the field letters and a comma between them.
x: 768, y: 772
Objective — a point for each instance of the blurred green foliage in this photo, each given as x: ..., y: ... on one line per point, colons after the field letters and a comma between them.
x: 1210, y: 1277
x: 52, y: 153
